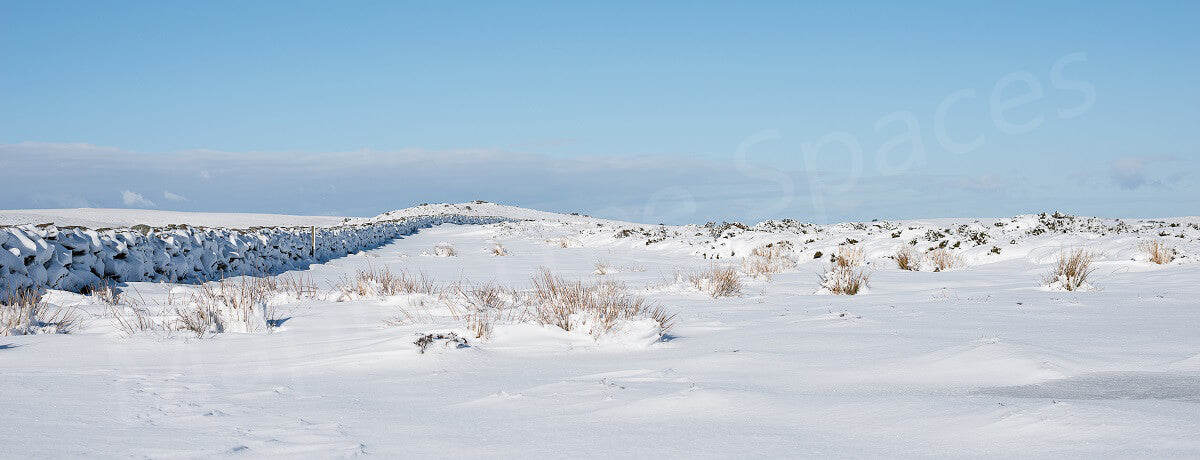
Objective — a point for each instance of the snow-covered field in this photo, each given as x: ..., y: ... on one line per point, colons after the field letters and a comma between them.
x: 983, y: 358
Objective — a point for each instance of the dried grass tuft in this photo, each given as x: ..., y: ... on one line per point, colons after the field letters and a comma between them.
x: 907, y: 258
x: 598, y: 306
x: 767, y: 260
x: 844, y: 276
x: 717, y: 281
x: 944, y: 259
x: 849, y: 256
x: 499, y: 250
x: 480, y: 307
x: 1158, y: 252
x: 1072, y: 269
x: 23, y: 312
x: 229, y: 306
x: 445, y: 250
x: 602, y: 268
x: 382, y: 282
x: 105, y: 292
x: 845, y: 280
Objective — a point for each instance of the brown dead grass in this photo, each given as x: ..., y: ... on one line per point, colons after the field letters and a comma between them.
x: 214, y: 302
x: 559, y: 302
x: 907, y: 258
x: 849, y: 256
x: 382, y: 282
x: 602, y: 268
x: 767, y: 260
x: 1072, y: 269
x: 480, y: 307
x: 944, y: 259
x: 845, y: 277
x: 24, y: 312
x: 717, y: 281
x: 1158, y: 252
x: 845, y: 280
x: 499, y: 250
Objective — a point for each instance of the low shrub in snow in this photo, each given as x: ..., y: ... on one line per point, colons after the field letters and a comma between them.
x: 24, y: 312
x: 944, y: 259
x: 445, y: 250
x: 844, y: 276
x: 132, y: 319
x: 447, y: 339
x: 1071, y: 271
x: 1158, y: 252
x: 229, y: 306
x: 845, y: 280
x: 596, y: 308
x: 602, y: 268
x: 717, y: 281
x: 105, y: 292
x: 382, y: 282
x: 907, y: 258
x: 849, y: 256
x: 297, y: 286
x: 563, y: 242
x: 499, y: 250
x: 481, y: 307
x: 129, y: 314
x: 767, y: 260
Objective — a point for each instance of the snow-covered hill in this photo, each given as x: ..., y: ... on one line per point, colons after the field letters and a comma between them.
x: 483, y: 208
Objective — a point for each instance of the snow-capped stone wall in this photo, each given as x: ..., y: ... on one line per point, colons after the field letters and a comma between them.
x: 73, y: 259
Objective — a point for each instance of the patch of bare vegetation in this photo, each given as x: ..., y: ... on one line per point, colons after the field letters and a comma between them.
x: 133, y: 319
x: 499, y: 250
x: 105, y: 293
x: 229, y: 305
x: 445, y: 250
x: 767, y: 260
x: 944, y: 259
x: 717, y: 281
x: 448, y: 340
x: 298, y: 286
x: 1157, y: 252
x: 382, y: 282
x: 602, y: 268
x: 845, y: 275
x: 1071, y: 271
x: 595, y: 307
x: 23, y: 312
x: 128, y: 313
x: 480, y: 307
x: 563, y: 242
x: 849, y: 256
x: 907, y: 258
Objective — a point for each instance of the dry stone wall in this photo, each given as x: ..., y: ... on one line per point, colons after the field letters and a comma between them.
x: 74, y: 259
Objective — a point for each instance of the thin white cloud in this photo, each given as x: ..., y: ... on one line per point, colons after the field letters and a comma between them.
x: 173, y: 197
x: 653, y: 188
x: 135, y: 199
x: 1131, y: 173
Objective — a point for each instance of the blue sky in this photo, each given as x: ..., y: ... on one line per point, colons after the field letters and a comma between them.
x: 632, y: 110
